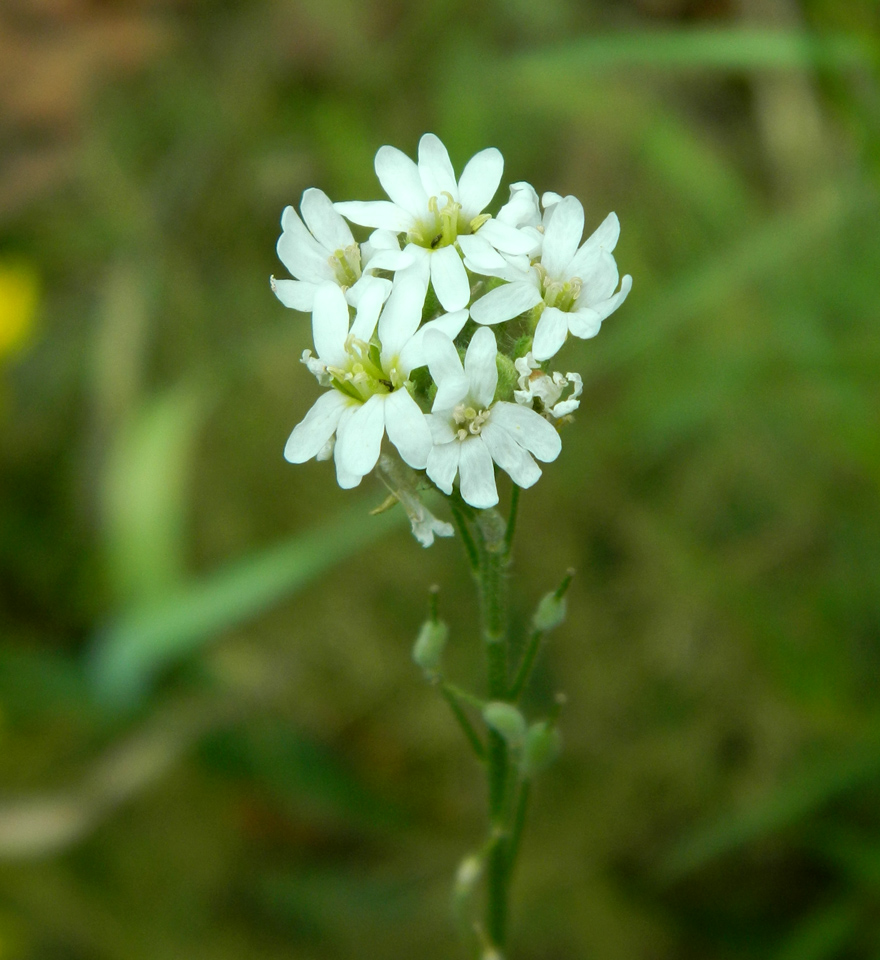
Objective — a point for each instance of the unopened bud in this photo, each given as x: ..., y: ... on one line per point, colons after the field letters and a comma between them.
x: 542, y: 747
x: 507, y: 377
x: 428, y: 648
x: 505, y: 719
x: 550, y: 613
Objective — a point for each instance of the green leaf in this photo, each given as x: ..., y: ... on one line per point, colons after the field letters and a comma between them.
x: 823, y: 934
x: 140, y: 643
x: 817, y: 783
x: 145, y: 495
x: 724, y: 49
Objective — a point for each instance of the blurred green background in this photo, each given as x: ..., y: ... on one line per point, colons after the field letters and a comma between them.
x: 213, y: 743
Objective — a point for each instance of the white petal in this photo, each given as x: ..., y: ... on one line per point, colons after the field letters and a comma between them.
x: 298, y: 250
x: 415, y: 352
x: 479, y: 181
x: 382, y: 240
x: 606, y: 234
x: 505, y: 238
x: 355, y: 293
x: 479, y: 254
x: 440, y: 425
x: 609, y: 306
x: 522, y: 207
x: 477, y: 474
x: 414, y: 261
x: 402, y: 315
x: 359, y: 443
x: 507, y: 302
x: 330, y: 323
x: 450, y: 279
x: 369, y: 305
x: 529, y: 429
x: 408, y: 429
x: 387, y: 260
x: 596, y: 250
x: 450, y: 393
x: 480, y: 368
x: 563, y: 236
x: 443, y: 464
x: 400, y: 179
x: 510, y: 456
x: 443, y: 359
x: 584, y: 323
x: 326, y: 224
x: 296, y: 294
x: 319, y: 424
x: 345, y: 478
x: 376, y: 213
x: 598, y: 274
x: 435, y: 168
x: 550, y: 333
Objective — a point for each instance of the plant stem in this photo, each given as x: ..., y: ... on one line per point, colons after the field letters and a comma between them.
x: 525, y: 667
x: 494, y: 555
x: 452, y: 695
x: 511, y: 519
x: 470, y: 548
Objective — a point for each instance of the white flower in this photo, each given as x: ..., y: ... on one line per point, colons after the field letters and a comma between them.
x: 368, y: 395
x: 404, y: 487
x: 323, y: 249
x: 535, y: 384
x: 470, y: 431
x: 573, y: 284
x: 439, y: 215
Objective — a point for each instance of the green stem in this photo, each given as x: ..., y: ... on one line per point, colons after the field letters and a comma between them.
x: 511, y: 519
x: 519, y: 821
x: 494, y: 553
x: 525, y: 667
x: 450, y: 695
x: 470, y: 548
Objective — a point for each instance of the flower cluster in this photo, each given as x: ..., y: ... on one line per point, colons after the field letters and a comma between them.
x: 404, y: 324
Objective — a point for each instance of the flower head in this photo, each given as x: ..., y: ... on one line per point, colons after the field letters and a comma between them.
x: 572, y: 284
x: 472, y: 431
x: 557, y: 394
x: 320, y: 248
x: 368, y: 378
x: 441, y: 217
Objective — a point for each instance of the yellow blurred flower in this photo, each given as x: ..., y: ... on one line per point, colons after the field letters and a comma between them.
x: 19, y: 295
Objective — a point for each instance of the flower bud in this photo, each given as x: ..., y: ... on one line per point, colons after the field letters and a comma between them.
x: 428, y: 648
x: 505, y: 719
x: 550, y: 612
x: 507, y: 377
x: 542, y: 747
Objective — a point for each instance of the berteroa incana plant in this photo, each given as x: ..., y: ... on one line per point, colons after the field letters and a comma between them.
x: 420, y: 389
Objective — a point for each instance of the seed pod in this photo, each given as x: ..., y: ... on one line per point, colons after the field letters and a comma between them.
x: 542, y: 747
x: 428, y: 648
x: 505, y: 719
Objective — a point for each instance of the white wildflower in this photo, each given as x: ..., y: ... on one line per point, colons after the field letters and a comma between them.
x: 442, y: 217
x: 471, y: 431
x: 404, y: 487
x: 369, y: 387
x: 573, y: 284
x: 322, y: 249
x: 535, y: 384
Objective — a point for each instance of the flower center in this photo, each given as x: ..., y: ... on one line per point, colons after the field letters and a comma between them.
x: 346, y: 266
x: 363, y: 373
x: 443, y: 224
x: 469, y: 421
x: 561, y: 294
